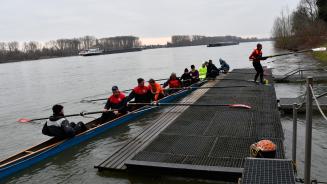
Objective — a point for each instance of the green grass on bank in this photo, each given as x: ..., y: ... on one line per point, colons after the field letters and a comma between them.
x: 321, y: 56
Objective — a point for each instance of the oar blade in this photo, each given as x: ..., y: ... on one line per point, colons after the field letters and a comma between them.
x: 319, y: 49
x: 243, y: 106
x: 24, y: 120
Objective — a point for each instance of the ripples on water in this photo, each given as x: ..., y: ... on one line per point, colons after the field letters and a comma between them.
x: 29, y: 89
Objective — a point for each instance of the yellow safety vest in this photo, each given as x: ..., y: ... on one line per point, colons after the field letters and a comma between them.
x: 202, y: 72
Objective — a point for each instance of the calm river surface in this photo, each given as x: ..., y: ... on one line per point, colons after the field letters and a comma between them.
x: 29, y: 89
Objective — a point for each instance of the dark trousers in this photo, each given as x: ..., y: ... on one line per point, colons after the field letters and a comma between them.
x: 258, y: 68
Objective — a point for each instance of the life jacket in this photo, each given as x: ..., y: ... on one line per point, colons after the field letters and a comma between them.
x: 266, y: 145
x: 174, y: 83
x: 256, y: 54
x: 141, y: 90
x: 56, y: 123
x: 117, y: 100
x: 203, y: 72
x: 263, y: 149
x: 156, y: 89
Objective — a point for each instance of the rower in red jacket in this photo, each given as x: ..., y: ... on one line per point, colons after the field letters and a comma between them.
x: 141, y: 94
x: 173, y: 82
x: 116, y: 105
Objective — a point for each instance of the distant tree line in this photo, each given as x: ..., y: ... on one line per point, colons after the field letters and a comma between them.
x: 190, y: 40
x: 305, y: 27
x: 15, y: 51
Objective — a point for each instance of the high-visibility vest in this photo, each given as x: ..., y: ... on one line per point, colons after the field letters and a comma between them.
x: 202, y: 72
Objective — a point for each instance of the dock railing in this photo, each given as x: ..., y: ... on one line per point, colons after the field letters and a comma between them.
x: 300, y: 72
x: 310, y: 97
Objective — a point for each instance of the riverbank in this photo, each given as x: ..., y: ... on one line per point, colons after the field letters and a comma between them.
x: 321, y: 56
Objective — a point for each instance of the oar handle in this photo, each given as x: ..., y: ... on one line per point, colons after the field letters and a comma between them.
x: 69, y: 115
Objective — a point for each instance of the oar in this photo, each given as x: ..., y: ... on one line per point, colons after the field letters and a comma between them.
x: 243, y: 106
x: 26, y: 120
x: 127, y: 90
x: 301, y: 51
x: 206, y: 87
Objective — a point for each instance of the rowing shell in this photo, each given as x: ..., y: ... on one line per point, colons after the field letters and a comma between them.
x: 54, y: 146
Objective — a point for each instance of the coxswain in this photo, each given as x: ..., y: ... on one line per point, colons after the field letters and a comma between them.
x: 58, y: 126
x: 115, y: 106
x: 256, y: 57
x: 140, y: 94
x: 156, y: 90
x: 224, y: 67
x: 203, y: 71
x: 212, y: 70
x: 194, y: 74
x: 186, y: 78
x: 174, y: 83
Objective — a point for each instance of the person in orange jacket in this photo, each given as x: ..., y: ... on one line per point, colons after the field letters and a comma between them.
x: 156, y: 90
x: 256, y: 57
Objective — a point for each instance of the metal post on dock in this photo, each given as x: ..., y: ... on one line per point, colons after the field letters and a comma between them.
x: 294, y: 132
x: 308, y: 133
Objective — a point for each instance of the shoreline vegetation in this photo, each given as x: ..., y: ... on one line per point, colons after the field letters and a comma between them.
x: 304, y: 28
x: 15, y: 52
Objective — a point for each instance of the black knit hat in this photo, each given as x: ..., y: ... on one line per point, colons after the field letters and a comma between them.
x: 139, y: 80
x: 114, y: 88
x: 57, y: 109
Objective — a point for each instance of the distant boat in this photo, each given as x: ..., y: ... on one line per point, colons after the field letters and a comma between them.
x: 90, y: 52
x: 220, y: 44
x: 97, y: 51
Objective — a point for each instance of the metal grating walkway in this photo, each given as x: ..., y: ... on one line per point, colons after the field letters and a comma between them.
x: 118, y: 159
x: 216, y: 140
x: 268, y: 171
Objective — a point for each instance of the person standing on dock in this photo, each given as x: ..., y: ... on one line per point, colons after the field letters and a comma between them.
x: 58, y: 126
x: 203, y: 71
x: 141, y: 94
x: 156, y: 90
x: 256, y: 57
x: 116, y: 104
x: 194, y: 74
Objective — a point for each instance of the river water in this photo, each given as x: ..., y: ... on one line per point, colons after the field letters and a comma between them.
x: 29, y: 89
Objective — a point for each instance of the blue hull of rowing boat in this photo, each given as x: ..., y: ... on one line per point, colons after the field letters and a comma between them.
x: 33, y: 159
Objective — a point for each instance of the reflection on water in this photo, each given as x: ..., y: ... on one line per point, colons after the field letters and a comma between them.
x: 29, y: 89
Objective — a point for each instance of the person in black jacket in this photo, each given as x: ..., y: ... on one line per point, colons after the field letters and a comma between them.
x: 186, y: 78
x: 58, y: 126
x: 212, y: 70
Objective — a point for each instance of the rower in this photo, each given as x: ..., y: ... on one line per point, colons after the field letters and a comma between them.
x: 212, y: 70
x: 58, y: 126
x: 140, y: 93
x: 224, y: 67
x: 116, y: 105
x: 194, y: 74
x: 203, y: 71
x: 173, y: 82
x: 186, y: 78
x: 156, y: 90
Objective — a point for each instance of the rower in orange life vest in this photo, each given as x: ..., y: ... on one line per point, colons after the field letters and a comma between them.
x: 116, y: 104
x: 173, y: 82
x: 156, y: 90
x: 140, y: 93
x: 255, y: 57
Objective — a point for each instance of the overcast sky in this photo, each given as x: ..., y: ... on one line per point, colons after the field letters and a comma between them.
x: 152, y: 20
